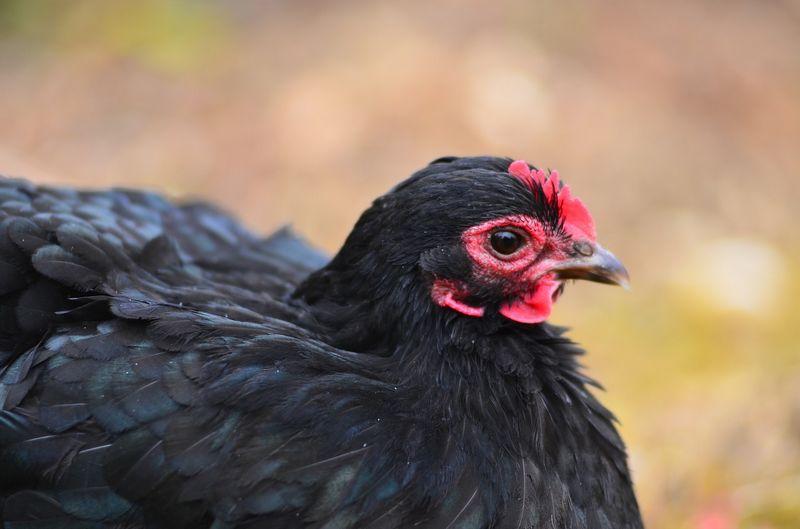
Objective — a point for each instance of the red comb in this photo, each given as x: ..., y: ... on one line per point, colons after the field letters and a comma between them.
x: 577, y: 220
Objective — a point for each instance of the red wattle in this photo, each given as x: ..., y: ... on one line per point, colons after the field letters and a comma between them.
x: 535, y: 306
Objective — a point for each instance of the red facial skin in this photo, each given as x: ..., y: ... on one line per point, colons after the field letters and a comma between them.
x: 529, y: 268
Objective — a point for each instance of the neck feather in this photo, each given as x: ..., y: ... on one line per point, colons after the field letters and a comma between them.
x: 521, y: 380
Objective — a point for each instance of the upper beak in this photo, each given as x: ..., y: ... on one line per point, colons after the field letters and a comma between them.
x: 594, y: 263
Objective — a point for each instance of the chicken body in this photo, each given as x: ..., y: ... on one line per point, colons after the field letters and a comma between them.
x: 160, y: 366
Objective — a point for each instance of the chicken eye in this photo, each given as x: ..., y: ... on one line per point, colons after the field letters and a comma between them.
x: 505, y: 242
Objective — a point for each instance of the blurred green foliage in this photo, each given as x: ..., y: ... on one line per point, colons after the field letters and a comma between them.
x: 173, y: 35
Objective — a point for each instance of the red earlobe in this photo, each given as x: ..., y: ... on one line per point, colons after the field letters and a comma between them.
x: 446, y: 293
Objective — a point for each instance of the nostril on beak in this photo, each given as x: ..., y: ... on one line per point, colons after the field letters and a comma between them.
x: 583, y: 248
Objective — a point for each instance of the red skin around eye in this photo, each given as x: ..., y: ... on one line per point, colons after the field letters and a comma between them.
x: 476, y: 242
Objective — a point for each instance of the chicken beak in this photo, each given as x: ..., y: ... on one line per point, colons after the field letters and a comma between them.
x: 593, y: 263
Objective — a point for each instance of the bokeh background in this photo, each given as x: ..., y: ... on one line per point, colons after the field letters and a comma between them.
x: 677, y: 122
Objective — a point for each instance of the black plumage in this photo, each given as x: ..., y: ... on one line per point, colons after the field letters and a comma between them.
x: 160, y: 366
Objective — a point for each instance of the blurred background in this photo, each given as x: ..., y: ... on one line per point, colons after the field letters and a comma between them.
x: 677, y: 122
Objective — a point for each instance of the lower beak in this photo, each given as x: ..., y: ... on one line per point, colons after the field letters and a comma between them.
x: 600, y: 266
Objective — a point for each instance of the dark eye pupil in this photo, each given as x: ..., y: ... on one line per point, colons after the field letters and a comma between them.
x: 505, y: 242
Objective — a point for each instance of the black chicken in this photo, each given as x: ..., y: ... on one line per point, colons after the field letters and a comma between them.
x: 162, y: 367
